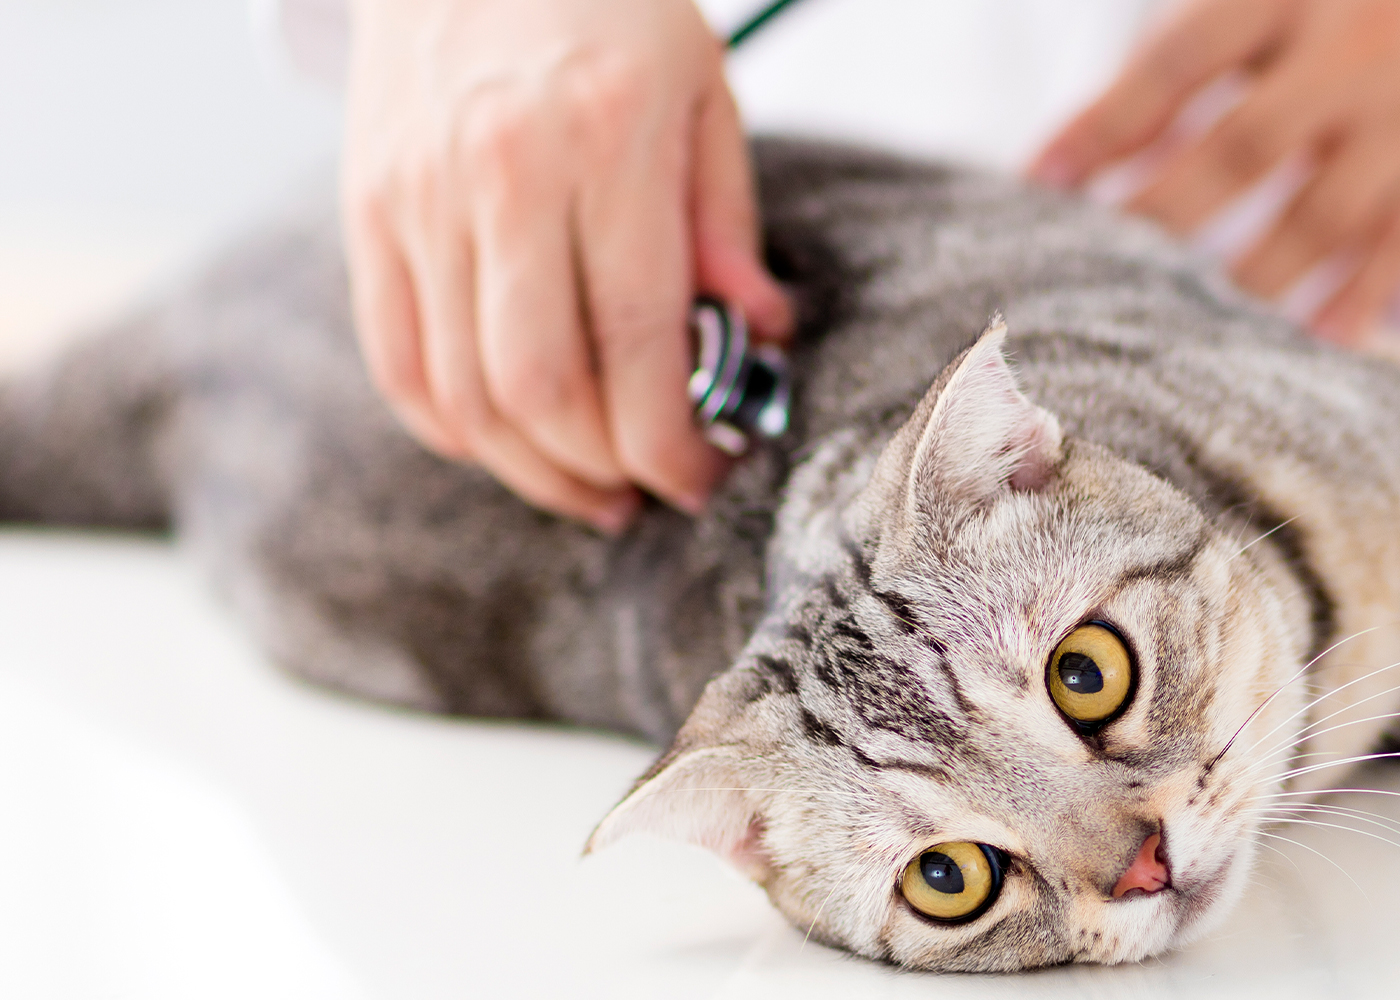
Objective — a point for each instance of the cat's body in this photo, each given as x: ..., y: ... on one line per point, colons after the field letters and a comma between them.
x: 882, y: 624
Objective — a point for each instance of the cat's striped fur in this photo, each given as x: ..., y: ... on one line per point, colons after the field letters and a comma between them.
x: 875, y: 597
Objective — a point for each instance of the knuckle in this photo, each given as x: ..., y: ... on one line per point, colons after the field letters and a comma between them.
x: 424, y: 169
x: 607, y: 91
x: 416, y: 183
x: 1320, y: 226
x: 619, y: 81
x: 649, y: 456
x: 377, y: 191
x: 1243, y: 150
x: 1171, y: 65
x: 527, y: 389
x: 496, y: 131
x: 629, y: 325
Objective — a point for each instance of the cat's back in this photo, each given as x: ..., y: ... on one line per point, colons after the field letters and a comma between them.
x: 1113, y: 325
x: 373, y: 566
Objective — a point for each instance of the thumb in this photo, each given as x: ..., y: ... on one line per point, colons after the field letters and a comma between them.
x: 725, y: 224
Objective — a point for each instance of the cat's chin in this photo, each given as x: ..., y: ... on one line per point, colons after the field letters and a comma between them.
x: 1174, y: 918
x: 1205, y: 903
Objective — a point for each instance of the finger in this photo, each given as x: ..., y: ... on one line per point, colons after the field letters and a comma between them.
x: 441, y: 262
x: 386, y: 323
x: 725, y: 220
x: 535, y: 357
x: 1283, y: 113
x: 633, y: 237
x: 1354, y: 310
x: 1350, y: 193
x: 1199, y: 44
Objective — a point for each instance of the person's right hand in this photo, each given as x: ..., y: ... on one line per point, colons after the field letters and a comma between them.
x: 533, y: 191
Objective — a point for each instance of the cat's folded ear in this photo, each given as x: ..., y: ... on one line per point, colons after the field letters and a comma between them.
x: 698, y: 796
x: 707, y: 789
x: 973, y: 435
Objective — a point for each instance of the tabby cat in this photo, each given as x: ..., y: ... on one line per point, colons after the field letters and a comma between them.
x: 989, y: 675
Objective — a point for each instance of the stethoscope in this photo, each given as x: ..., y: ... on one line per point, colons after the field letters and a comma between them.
x: 739, y: 390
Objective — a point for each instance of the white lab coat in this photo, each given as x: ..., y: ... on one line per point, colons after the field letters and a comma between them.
x: 978, y: 80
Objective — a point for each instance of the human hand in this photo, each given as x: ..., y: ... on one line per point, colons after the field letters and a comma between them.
x: 532, y: 193
x: 1323, y: 81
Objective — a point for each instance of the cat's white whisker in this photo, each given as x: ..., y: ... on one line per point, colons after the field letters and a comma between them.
x: 1338, y: 826
x: 1261, y: 765
x: 1332, y: 806
x: 1295, y: 843
x: 1281, y: 808
x: 812, y: 926
x: 1302, y: 671
x: 742, y: 788
x: 1332, y: 791
x: 1282, y: 854
x: 1315, y: 807
x: 1286, y: 747
x: 1273, y: 754
x: 1313, y: 703
x: 1332, y: 715
x: 1357, y: 759
x: 1277, y: 527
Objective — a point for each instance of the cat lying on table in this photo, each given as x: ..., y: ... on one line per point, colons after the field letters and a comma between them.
x: 1005, y: 672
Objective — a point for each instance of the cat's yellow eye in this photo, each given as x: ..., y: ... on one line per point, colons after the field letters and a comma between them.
x: 953, y: 882
x: 1091, y: 674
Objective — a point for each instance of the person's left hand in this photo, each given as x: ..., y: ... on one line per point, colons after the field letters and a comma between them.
x: 1323, y: 80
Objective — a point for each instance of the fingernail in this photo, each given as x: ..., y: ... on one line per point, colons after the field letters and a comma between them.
x: 1331, y: 329
x: 770, y: 313
x: 784, y: 317
x: 615, y: 519
x: 1055, y: 171
x: 693, y: 503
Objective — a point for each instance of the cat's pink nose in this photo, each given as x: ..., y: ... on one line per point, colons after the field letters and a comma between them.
x: 1148, y: 871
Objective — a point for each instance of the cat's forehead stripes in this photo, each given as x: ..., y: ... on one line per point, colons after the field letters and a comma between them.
x: 1172, y: 564
x: 895, y: 603
x: 844, y: 673
x: 828, y: 735
x: 876, y: 678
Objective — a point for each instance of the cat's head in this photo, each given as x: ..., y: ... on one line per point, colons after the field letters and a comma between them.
x: 1014, y: 660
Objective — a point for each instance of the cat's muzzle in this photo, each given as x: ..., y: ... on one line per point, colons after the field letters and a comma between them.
x: 738, y: 390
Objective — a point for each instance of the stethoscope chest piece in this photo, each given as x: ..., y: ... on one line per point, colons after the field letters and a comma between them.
x: 738, y: 391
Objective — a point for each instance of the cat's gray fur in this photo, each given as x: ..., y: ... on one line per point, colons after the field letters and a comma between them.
x: 869, y: 614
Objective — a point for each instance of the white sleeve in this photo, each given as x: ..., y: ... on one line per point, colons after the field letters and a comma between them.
x: 312, y: 37
x: 984, y: 82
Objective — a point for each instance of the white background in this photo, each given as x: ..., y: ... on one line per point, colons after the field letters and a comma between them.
x: 179, y: 820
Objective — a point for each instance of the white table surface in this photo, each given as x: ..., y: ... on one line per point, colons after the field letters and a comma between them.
x: 180, y: 820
